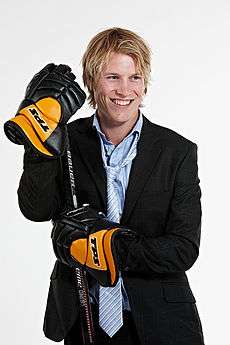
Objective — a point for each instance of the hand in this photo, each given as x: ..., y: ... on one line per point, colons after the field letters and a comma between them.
x: 86, y: 238
x: 51, y: 98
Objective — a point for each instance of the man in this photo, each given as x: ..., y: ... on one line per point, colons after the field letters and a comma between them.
x: 157, y: 196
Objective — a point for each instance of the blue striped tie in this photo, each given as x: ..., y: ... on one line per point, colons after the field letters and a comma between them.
x: 110, y: 298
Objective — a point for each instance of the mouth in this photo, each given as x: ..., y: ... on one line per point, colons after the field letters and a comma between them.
x: 122, y: 102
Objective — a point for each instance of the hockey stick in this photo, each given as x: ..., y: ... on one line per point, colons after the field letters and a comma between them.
x: 87, y: 327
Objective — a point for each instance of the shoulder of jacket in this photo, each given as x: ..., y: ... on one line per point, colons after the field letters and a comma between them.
x: 80, y: 124
x: 170, y: 138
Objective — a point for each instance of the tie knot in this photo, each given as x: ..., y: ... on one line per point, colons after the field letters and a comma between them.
x: 112, y: 172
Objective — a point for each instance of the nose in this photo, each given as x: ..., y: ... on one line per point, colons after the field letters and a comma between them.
x: 124, y: 88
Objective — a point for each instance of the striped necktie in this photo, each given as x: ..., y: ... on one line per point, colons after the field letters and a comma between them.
x: 110, y: 298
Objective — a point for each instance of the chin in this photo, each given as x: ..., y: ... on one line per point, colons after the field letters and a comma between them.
x: 124, y: 112
x: 120, y: 117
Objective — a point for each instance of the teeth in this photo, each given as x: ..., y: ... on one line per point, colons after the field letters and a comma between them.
x: 119, y: 102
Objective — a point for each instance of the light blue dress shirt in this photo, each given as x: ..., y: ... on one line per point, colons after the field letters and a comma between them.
x: 114, y: 155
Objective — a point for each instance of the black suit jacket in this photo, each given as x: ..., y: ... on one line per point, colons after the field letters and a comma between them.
x: 162, y: 205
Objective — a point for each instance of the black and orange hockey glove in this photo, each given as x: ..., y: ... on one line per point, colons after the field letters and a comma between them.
x: 86, y: 238
x: 51, y: 98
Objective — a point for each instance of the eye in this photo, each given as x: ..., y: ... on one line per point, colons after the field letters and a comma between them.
x: 113, y: 77
x: 136, y: 77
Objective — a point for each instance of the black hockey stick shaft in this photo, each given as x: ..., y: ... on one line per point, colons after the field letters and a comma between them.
x: 87, y: 327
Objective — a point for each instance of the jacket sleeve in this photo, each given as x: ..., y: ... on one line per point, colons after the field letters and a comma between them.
x: 177, y: 250
x: 39, y: 192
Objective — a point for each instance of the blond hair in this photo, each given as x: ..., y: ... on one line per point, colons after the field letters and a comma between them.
x: 114, y: 40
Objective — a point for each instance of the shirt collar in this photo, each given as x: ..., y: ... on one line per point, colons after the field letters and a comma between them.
x: 136, y: 128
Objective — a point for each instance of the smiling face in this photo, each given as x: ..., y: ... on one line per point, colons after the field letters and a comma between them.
x: 119, y: 91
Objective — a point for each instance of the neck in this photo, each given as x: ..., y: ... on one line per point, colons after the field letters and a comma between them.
x: 116, y: 132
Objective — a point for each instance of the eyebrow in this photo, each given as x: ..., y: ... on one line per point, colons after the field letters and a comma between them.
x: 112, y: 73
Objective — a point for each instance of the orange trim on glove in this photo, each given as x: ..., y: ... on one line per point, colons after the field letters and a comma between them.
x: 38, y: 121
x: 95, y: 252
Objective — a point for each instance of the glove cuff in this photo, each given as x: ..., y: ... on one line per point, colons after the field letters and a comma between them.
x: 123, y: 246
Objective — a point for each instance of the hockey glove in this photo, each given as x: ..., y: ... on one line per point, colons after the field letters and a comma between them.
x: 51, y: 98
x: 86, y: 238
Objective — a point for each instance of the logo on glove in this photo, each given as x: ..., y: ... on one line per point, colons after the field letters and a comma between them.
x: 93, y: 242
x: 40, y: 121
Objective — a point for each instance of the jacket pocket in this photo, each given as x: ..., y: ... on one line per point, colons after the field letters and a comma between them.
x: 175, y: 292
x: 179, y: 314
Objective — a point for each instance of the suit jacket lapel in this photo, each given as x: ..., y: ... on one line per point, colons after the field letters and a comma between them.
x: 148, y: 152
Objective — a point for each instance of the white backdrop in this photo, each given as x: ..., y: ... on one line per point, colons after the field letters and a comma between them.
x: 188, y: 93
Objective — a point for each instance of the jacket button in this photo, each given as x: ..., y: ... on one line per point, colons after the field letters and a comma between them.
x: 126, y: 269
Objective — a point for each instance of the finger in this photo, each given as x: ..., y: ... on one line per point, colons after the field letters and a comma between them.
x: 62, y: 69
x: 47, y: 69
x: 70, y: 75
